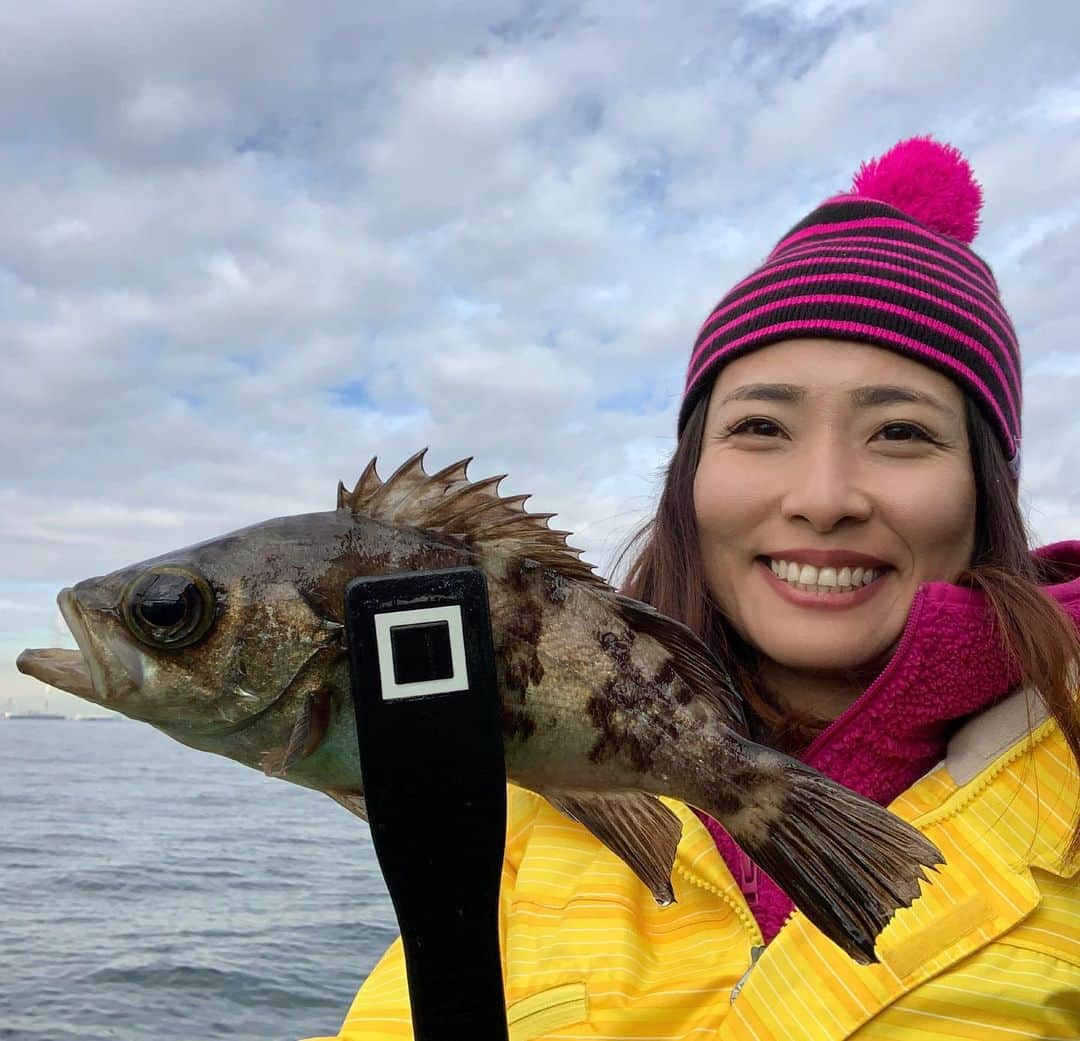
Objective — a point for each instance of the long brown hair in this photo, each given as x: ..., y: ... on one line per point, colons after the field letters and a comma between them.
x: 666, y: 571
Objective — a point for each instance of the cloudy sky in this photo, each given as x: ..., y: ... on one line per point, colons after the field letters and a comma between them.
x: 246, y: 246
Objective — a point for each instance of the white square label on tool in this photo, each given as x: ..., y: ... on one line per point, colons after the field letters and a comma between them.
x: 421, y: 652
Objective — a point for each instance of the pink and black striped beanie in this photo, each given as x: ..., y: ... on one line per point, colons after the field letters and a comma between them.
x: 889, y: 264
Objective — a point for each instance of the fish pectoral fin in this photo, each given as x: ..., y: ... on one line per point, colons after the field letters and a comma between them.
x: 306, y: 735
x: 638, y: 828
x: 353, y: 802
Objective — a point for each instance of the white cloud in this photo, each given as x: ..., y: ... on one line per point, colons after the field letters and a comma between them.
x: 916, y: 67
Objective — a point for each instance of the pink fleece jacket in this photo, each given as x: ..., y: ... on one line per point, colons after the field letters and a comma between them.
x: 947, y: 666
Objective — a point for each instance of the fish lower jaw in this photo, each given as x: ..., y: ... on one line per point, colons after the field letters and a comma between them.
x: 59, y: 667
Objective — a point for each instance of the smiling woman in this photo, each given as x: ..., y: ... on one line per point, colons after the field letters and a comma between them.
x: 840, y: 524
x: 840, y: 519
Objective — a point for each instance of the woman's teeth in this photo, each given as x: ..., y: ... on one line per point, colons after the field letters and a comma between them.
x: 811, y: 579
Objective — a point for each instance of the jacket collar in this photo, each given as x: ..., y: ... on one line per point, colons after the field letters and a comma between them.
x: 986, y: 737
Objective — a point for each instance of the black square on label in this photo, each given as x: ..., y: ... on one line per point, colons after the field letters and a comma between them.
x: 421, y: 652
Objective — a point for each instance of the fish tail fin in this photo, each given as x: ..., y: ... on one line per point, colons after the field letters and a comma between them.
x: 845, y: 862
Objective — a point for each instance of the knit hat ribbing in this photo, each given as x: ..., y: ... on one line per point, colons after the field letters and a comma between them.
x: 886, y: 264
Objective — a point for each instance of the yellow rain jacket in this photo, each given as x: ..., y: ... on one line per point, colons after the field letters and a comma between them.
x: 990, y: 951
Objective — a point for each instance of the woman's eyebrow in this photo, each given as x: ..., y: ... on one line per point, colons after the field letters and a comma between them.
x: 766, y: 392
x: 888, y: 395
x: 866, y: 397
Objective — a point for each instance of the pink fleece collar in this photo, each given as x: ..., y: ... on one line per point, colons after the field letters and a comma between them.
x: 947, y: 666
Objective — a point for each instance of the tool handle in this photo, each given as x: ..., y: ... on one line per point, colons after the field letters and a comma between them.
x: 425, y: 692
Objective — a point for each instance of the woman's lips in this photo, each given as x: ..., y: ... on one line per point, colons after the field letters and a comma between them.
x: 820, y: 601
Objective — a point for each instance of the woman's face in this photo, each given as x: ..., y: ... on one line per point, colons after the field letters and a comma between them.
x: 847, y: 469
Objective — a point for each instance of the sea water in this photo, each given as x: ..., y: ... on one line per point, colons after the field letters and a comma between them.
x: 149, y: 892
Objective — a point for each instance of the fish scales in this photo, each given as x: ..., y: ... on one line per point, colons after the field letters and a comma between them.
x: 236, y: 646
x: 589, y: 704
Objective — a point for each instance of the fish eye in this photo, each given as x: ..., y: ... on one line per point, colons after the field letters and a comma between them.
x: 169, y: 607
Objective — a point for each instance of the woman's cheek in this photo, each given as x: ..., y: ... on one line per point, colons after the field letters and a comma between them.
x: 938, y: 518
x: 729, y: 498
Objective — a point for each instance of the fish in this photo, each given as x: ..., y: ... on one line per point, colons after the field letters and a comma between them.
x: 237, y: 646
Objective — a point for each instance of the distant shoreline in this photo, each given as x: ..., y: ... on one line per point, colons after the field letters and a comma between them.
x: 42, y: 717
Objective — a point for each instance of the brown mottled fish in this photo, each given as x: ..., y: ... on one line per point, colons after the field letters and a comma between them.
x: 236, y: 646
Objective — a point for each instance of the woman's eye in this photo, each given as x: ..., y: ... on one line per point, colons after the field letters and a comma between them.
x: 757, y: 427
x: 904, y: 432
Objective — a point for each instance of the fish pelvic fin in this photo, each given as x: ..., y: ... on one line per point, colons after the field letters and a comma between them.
x: 448, y: 503
x: 847, y: 863
x: 306, y: 735
x: 692, y: 659
x: 352, y: 801
x: 638, y: 828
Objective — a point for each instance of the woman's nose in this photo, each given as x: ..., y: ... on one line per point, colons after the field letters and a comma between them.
x: 824, y: 490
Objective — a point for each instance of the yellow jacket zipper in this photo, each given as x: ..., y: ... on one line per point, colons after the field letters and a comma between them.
x: 749, y: 923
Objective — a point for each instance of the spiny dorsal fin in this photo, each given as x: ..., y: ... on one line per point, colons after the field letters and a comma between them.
x: 449, y: 503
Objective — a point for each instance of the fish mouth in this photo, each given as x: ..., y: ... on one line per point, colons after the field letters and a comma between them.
x: 67, y: 670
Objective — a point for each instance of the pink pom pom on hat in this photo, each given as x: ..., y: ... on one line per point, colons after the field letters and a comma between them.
x: 929, y: 181
x: 888, y: 263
